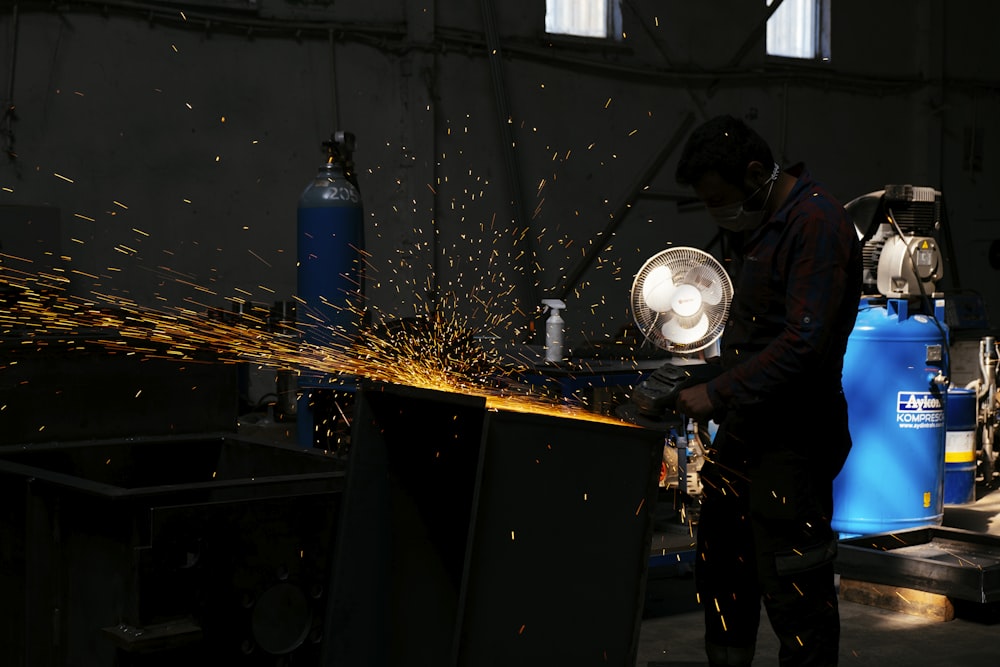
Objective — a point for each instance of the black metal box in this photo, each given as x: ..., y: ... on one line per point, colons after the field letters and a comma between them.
x: 477, y: 536
x: 165, y: 551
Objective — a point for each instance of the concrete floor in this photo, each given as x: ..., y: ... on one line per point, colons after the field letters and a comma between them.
x: 671, y: 631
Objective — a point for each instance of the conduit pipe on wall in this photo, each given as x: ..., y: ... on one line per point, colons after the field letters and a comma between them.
x: 8, y: 106
x: 494, y: 56
x: 621, y: 211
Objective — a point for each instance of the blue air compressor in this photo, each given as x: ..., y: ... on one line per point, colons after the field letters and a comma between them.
x: 330, y: 274
x: 895, y: 370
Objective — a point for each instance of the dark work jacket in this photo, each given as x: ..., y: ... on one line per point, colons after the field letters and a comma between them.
x: 797, y: 285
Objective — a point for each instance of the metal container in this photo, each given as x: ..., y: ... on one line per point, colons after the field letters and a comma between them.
x: 330, y: 242
x: 330, y: 275
x: 476, y: 536
x: 893, y: 477
x: 165, y: 551
x: 960, y: 447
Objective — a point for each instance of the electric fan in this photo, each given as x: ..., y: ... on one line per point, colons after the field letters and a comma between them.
x: 680, y: 300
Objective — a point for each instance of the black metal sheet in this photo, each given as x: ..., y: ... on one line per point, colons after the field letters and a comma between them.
x: 59, y: 391
x: 546, y: 483
x: 404, y: 526
x: 154, y: 466
x: 957, y: 563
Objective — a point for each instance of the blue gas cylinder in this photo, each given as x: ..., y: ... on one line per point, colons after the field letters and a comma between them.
x: 330, y: 279
x: 330, y: 265
x: 892, y: 479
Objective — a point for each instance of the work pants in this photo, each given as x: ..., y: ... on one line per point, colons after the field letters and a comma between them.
x: 764, y: 534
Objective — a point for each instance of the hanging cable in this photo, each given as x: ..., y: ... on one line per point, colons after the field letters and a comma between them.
x: 9, y: 109
x: 334, y: 97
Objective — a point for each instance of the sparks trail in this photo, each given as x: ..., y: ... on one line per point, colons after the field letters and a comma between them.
x: 438, y: 352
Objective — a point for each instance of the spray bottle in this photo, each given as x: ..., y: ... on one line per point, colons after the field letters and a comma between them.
x: 554, y: 330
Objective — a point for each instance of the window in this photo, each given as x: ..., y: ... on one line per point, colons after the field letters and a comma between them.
x: 584, y: 18
x: 799, y: 29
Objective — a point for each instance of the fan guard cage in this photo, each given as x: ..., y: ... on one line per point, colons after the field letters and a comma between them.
x: 680, y: 261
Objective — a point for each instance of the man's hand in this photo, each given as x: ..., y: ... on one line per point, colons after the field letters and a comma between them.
x: 694, y: 402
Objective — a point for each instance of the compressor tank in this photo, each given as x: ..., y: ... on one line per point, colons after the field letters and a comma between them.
x: 893, y: 478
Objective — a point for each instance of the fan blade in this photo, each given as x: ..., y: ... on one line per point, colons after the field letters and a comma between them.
x: 658, y: 289
x: 707, y: 282
x: 675, y: 331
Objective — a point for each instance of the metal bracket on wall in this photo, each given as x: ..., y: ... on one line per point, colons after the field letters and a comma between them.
x: 506, y: 136
x: 624, y: 206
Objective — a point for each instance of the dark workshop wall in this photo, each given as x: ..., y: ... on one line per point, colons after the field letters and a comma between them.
x: 175, y: 138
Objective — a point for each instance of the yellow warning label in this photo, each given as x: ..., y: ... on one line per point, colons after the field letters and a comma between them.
x: 927, y: 498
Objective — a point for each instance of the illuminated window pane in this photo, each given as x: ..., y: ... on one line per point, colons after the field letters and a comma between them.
x: 799, y: 29
x: 584, y: 18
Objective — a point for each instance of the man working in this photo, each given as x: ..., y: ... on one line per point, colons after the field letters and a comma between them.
x: 764, y: 529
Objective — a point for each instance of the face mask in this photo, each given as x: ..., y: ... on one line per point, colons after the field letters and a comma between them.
x: 735, y: 218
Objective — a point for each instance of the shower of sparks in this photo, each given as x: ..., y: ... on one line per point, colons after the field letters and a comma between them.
x: 439, y: 353
x: 488, y: 262
x: 262, y: 260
